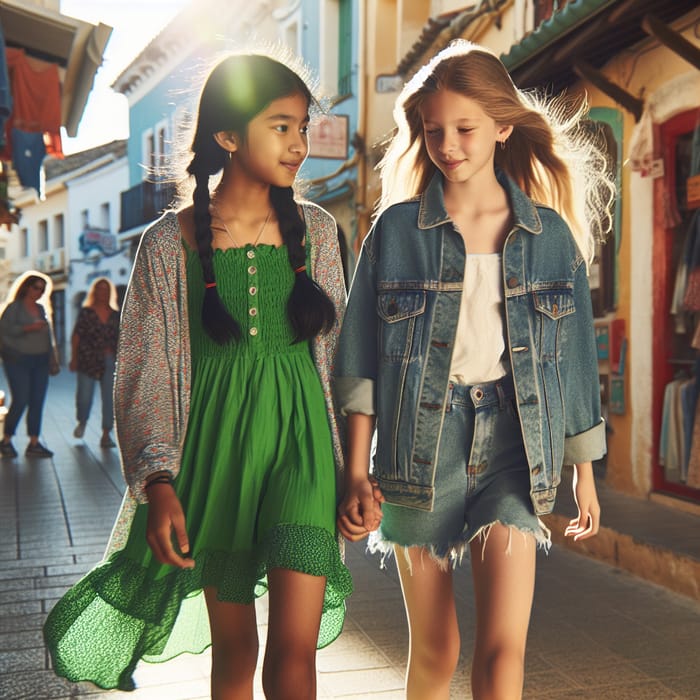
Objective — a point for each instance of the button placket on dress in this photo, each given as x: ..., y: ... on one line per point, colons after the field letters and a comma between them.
x: 252, y: 292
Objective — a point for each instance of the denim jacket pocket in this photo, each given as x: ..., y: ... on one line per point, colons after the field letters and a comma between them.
x: 401, y: 313
x: 555, y: 303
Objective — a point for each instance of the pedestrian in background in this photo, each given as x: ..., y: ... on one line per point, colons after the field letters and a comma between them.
x: 483, y: 373
x: 29, y: 356
x: 93, y: 353
x: 225, y: 417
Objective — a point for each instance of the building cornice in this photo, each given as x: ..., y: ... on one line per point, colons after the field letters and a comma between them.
x: 195, y: 26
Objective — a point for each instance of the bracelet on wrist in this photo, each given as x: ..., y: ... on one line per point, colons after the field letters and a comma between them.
x: 162, y: 479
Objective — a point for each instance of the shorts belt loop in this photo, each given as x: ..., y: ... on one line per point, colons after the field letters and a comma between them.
x: 450, y: 394
x: 501, y: 395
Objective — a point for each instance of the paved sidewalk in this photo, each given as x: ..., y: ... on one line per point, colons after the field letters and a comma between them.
x: 597, y: 632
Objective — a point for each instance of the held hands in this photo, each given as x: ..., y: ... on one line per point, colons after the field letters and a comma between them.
x: 165, y: 519
x: 586, y: 498
x: 360, y: 511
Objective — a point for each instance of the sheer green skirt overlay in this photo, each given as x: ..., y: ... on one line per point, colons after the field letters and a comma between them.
x: 257, y: 486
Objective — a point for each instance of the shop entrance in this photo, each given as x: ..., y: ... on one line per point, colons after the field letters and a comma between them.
x: 676, y: 314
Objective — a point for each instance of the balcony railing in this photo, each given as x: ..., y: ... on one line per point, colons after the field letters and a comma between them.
x: 144, y: 203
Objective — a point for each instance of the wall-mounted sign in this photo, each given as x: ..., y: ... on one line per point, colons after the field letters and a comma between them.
x: 94, y: 239
x: 388, y: 83
x: 328, y: 137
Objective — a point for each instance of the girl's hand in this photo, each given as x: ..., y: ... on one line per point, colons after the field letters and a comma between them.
x: 360, y: 511
x: 586, y: 498
x: 165, y: 518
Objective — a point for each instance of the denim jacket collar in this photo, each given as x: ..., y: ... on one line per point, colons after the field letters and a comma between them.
x: 432, y: 210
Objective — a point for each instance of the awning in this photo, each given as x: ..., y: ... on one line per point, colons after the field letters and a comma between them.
x: 77, y: 47
x: 585, y: 35
x: 572, y: 16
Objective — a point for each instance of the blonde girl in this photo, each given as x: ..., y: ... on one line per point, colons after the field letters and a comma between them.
x: 468, y: 343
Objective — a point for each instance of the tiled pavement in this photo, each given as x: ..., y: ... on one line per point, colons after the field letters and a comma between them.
x: 597, y: 632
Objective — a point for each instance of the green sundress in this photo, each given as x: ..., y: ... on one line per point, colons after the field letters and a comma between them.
x: 257, y: 485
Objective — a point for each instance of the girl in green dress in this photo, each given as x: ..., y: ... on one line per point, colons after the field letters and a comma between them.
x: 225, y: 420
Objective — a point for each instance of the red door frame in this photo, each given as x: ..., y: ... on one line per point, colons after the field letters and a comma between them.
x: 664, y: 278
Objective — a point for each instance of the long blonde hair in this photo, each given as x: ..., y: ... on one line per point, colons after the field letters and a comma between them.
x: 90, y: 296
x: 550, y: 154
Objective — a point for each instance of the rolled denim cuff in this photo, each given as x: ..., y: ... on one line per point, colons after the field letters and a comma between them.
x: 354, y: 395
x: 586, y: 446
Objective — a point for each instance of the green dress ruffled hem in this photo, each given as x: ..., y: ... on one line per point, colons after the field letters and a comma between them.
x: 118, y: 615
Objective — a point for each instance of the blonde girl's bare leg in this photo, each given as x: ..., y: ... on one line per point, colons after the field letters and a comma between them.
x: 234, y: 648
x: 503, y: 568
x: 432, y: 622
x: 296, y: 603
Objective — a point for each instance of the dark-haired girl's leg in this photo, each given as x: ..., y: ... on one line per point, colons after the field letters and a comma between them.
x: 432, y: 621
x: 296, y: 603
x: 503, y: 569
x: 234, y: 648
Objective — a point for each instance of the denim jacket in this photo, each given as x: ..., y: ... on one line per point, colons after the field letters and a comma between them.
x: 399, y: 333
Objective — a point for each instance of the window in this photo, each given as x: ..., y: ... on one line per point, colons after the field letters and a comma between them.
x: 43, y: 236
x: 59, y: 231
x: 24, y: 243
x: 154, y: 147
x: 289, y: 30
x: 104, y: 217
x: 84, y: 220
x: 148, y: 152
x: 162, y: 141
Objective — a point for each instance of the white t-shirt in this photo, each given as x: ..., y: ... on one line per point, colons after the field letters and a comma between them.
x: 480, y: 348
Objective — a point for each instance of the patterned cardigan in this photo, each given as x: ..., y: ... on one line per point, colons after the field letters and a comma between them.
x: 152, y: 382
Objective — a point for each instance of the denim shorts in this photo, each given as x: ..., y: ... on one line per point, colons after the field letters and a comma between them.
x: 482, y: 478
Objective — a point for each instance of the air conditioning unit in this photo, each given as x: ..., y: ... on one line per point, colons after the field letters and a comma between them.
x: 58, y: 259
x: 44, y: 262
x: 51, y: 262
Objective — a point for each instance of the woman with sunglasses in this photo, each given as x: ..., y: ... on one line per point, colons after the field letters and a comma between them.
x: 27, y: 352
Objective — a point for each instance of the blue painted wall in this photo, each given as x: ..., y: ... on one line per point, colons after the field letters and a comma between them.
x: 318, y: 167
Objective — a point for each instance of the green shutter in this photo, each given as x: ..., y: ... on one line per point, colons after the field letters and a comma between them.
x: 345, y: 47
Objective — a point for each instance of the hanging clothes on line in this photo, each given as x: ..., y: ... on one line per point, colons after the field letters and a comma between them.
x: 33, y: 129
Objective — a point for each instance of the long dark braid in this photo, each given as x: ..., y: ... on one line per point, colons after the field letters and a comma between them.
x: 309, y: 309
x: 216, y: 320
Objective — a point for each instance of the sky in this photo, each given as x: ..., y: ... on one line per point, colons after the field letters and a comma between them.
x: 135, y: 23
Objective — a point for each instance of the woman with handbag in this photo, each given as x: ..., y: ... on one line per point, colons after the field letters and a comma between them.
x: 29, y: 356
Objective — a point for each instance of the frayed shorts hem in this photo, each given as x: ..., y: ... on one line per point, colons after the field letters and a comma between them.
x: 451, y: 556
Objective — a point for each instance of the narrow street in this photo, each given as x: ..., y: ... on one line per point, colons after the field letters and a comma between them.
x: 597, y: 632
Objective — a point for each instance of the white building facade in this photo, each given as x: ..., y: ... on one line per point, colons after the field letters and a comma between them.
x: 71, y: 235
